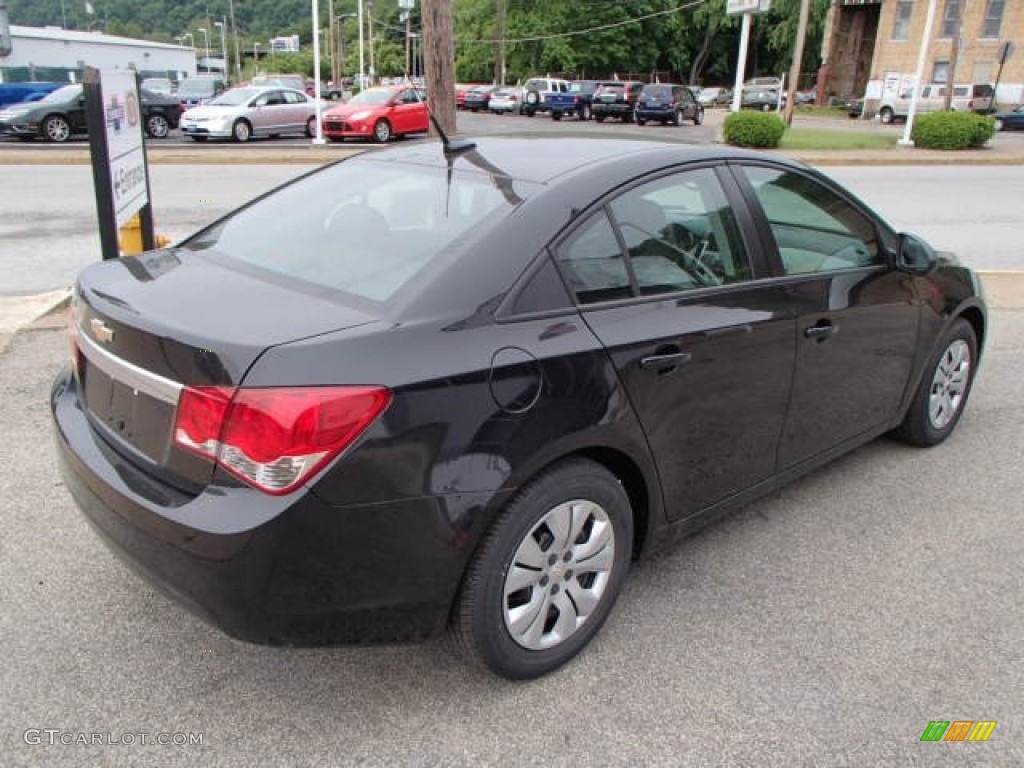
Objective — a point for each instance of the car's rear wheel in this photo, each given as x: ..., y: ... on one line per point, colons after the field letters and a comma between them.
x: 599, y: 118
x: 56, y: 128
x: 382, y: 132
x: 585, y: 112
x: 241, y: 131
x: 555, y: 115
x: 698, y: 116
x: 641, y: 121
x: 885, y: 115
x: 999, y: 124
x: 157, y: 126
x: 675, y: 118
x: 548, y: 572
x: 942, y: 394
x: 311, y: 128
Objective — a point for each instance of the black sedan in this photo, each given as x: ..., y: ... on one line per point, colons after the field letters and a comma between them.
x: 421, y: 390
x: 1012, y: 120
x: 479, y: 98
x: 60, y: 115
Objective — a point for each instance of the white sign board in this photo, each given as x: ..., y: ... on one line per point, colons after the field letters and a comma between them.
x: 122, y: 114
x: 742, y: 6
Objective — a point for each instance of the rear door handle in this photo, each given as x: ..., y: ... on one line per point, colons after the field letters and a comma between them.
x: 665, y: 362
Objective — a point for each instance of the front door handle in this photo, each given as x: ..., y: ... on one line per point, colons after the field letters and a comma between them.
x: 821, y: 331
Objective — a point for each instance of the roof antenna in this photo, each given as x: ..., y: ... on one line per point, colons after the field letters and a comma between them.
x: 450, y: 147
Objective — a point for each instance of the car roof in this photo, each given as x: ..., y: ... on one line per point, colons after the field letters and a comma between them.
x: 544, y: 159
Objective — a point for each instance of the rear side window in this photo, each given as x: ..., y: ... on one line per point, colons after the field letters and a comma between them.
x: 678, y: 232
x: 364, y: 228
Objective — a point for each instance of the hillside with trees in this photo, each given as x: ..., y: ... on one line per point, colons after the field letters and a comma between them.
x: 673, y: 39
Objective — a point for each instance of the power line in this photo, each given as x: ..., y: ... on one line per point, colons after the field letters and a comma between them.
x: 599, y: 28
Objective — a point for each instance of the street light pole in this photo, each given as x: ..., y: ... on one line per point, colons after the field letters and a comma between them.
x: 331, y: 37
x: 234, y: 34
x: 362, y: 62
x: 206, y: 46
x: 319, y: 138
x: 256, y: 53
x: 223, y: 44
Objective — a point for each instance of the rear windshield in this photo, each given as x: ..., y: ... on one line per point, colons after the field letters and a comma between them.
x: 616, y: 90
x: 658, y: 91
x: 197, y: 88
x: 364, y: 228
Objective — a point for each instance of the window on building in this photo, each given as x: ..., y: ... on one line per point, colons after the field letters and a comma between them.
x: 993, y: 18
x: 940, y: 72
x: 901, y: 27
x: 950, y: 18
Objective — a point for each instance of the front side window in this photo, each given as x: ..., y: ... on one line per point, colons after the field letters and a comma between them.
x: 901, y: 26
x: 592, y: 263
x: 815, y: 230
x: 993, y: 18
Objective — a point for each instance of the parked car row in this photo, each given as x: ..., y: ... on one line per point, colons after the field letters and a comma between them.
x: 60, y: 115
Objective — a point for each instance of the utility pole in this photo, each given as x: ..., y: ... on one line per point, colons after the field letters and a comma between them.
x: 499, y: 63
x: 798, y: 57
x: 947, y: 99
x: 234, y: 33
x: 439, y: 62
x: 332, y: 50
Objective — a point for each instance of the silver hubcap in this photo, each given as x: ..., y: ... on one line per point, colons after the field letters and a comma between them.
x: 383, y: 132
x: 949, y: 384
x: 57, y: 129
x: 559, y: 574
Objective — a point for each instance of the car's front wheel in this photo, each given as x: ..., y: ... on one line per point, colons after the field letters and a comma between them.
x: 886, y: 115
x: 241, y: 131
x: 999, y: 124
x: 382, y: 132
x: 56, y: 128
x: 311, y: 127
x: 942, y: 394
x: 157, y: 126
x: 546, y: 575
x: 585, y: 113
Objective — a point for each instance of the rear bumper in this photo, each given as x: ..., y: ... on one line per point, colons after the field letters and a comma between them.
x: 283, y: 570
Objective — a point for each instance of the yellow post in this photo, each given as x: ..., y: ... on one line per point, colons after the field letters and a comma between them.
x: 131, y: 237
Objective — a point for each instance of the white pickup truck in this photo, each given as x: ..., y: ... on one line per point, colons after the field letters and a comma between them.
x: 966, y: 98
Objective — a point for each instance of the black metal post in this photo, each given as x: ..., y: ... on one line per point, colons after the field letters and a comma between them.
x: 96, y: 124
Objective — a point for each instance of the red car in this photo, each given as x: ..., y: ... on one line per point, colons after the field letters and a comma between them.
x: 377, y: 114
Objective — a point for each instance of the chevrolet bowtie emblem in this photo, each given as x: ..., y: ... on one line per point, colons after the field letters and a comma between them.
x: 101, y: 331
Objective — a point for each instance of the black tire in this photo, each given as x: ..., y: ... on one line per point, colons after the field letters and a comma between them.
x: 585, y: 113
x: 556, y: 115
x: 885, y: 114
x: 157, y: 126
x: 311, y: 127
x: 241, y: 131
x: 198, y: 138
x: 532, y: 98
x: 952, y: 367
x: 698, y: 116
x: 382, y: 132
x: 56, y: 129
x: 480, y: 622
x: 676, y: 119
x: 529, y: 112
x: 641, y: 121
x: 599, y: 118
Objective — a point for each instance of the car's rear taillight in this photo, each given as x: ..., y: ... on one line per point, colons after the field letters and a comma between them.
x: 276, y: 438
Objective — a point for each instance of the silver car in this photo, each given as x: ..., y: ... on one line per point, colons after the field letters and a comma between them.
x: 242, y: 113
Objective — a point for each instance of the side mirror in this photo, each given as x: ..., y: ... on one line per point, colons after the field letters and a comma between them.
x: 914, y: 255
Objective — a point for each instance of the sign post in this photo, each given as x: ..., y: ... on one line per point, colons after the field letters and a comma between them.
x: 113, y: 116
x: 747, y: 8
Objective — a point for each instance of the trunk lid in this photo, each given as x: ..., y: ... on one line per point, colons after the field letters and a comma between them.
x: 151, y: 325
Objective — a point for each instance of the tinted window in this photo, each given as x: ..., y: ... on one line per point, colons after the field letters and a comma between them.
x: 364, y: 228
x: 815, y: 229
x: 658, y: 91
x: 592, y: 263
x: 681, y: 233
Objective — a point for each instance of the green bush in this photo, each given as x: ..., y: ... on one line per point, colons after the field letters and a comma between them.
x: 753, y: 129
x: 952, y: 130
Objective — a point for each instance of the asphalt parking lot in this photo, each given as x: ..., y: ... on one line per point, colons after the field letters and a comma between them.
x: 825, y: 625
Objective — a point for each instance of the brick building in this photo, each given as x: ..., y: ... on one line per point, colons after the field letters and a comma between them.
x: 870, y: 47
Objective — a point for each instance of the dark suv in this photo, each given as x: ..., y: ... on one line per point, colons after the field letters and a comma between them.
x: 668, y: 103
x: 616, y: 100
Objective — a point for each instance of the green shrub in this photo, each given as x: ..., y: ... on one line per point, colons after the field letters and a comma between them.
x: 952, y: 130
x: 753, y: 129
